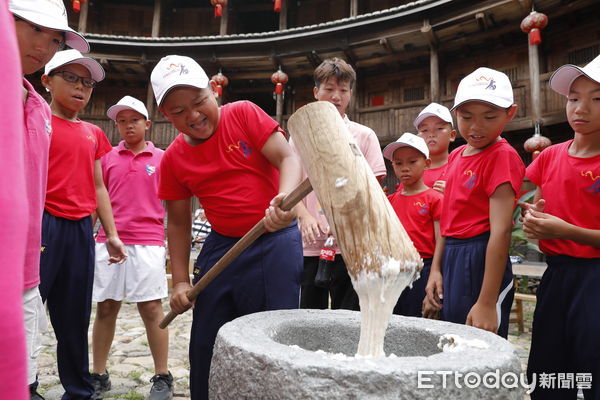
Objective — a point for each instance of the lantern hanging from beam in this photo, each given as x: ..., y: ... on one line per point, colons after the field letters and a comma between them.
x: 279, y: 78
x: 221, y: 81
x: 277, y: 5
x: 533, y: 25
x: 536, y: 143
x: 218, y: 4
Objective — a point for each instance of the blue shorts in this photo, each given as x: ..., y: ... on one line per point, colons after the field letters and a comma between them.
x: 463, y: 267
x: 410, y: 303
x: 266, y: 276
x: 565, y: 339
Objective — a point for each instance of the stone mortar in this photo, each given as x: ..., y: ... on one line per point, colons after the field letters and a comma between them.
x: 273, y: 355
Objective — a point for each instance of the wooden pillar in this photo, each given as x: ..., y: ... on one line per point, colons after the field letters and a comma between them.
x: 279, y: 109
x: 379, y: 255
x: 83, y: 16
x: 283, y: 15
x: 224, y: 18
x: 353, y: 8
x: 534, y: 81
x: 150, y: 101
x: 156, y: 18
x: 434, y: 72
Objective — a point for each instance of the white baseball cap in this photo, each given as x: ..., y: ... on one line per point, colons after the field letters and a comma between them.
x: 49, y: 14
x: 562, y: 79
x: 487, y: 85
x: 127, y: 103
x: 407, y: 139
x: 73, y: 56
x: 434, y: 110
x: 173, y: 71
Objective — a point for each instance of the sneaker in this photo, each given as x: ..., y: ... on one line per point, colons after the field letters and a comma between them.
x: 162, y: 388
x: 33, y: 394
x: 101, y: 383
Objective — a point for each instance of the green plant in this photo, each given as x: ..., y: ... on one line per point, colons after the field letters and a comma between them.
x: 518, y: 236
x: 132, y: 395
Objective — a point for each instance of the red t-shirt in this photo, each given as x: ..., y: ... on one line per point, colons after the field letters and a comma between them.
x: 571, y: 187
x: 74, y: 148
x: 431, y: 175
x: 228, y: 173
x: 417, y: 214
x: 470, y: 181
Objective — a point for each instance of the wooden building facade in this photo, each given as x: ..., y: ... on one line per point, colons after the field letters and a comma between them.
x: 406, y: 53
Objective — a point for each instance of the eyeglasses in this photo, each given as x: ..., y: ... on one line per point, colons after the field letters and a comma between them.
x: 73, y: 78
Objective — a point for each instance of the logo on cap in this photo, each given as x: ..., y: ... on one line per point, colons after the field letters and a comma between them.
x: 173, y: 68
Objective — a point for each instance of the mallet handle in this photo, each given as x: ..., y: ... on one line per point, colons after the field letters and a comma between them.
x: 287, y: 204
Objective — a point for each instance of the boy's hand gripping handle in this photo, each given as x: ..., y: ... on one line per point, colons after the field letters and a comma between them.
x: 287, y: 204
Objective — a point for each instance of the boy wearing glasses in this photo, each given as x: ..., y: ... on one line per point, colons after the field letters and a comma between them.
x: 41, y: 29
x: 75, y: 190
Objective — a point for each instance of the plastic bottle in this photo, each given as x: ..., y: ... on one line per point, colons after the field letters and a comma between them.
x: 324, y: 276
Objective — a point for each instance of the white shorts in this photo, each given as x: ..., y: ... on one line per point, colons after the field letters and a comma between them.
x: 35, y: 324
x: 142, y: 277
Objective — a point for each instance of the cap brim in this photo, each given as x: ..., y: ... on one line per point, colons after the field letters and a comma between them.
x: 96, y: 70
x: 562, y: 79
x: 388, y: 151
x: 161, y: 98
x: 73, y: 39
x: 494, y: 102
x: 424, y: 116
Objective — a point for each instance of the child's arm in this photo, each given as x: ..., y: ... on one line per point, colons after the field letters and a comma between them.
x: 540, y: 225
x: 483, y: 313
x: 278, y: 152
x: 434, y: 288
x: 116, y: 248
x: 179, y: 226
x: 309, y: 226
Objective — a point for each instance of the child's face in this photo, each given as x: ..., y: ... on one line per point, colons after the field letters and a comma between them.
x: 132, y: 126
x: 336, y: 92
x: 583, y: 106
x: 480, y: 123
x: 437, y: 133
x: 37, y: 45
x: 192, y: 111
x: 409, y: 165
x: 73, y: 96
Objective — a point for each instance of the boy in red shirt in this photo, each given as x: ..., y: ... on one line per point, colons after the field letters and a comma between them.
x: 418, y: 208
x: 565, y: 217
x: 42, y: 29
x: 482, y: 180
x: 434, y: 125
x: 132, y: 167
x: 236, y: 160
x: 75, y: 190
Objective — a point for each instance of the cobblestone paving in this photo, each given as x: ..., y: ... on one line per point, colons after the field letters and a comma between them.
x: 130, y: 362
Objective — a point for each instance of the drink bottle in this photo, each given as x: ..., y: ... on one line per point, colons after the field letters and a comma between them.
x: 324, y: 276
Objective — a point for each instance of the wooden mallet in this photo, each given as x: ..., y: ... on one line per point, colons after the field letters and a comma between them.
x: 257, y: 230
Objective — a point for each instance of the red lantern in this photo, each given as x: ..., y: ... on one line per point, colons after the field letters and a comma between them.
x: 279, y: 78
x: 536, y: 144
x: 533, y: 24
x: 76, y: 6
x: 218, y: 4
x: 221, y: 81
x: 277, y: 5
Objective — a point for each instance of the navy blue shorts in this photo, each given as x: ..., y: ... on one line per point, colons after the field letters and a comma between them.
x: 565, y: 341
x: 266, y: 276
x: 463, y: 266
x: 410, y: 303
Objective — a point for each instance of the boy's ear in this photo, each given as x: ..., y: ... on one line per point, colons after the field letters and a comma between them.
x: 427, y: 163
x: 512, y: 111
x: 213, y: 88
x: 315, y: 91
x: 46, y: 82
x: 452, y: 135
x: 162, y: 111
x: 148, y: 123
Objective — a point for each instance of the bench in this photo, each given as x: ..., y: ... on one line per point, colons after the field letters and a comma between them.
x: 533, y: 270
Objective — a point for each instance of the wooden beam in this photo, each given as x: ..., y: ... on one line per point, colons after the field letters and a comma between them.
x: 156, y: 17
x: 224, y: 21
x: 83, y: 16
x: 150, y: 101
x: 427, y: 31
x: 314, y: 59
x: 283, y: 15
x: 481, y: 21
x: 525, y: 5
x: 386, y: 45
x: 353, y: 8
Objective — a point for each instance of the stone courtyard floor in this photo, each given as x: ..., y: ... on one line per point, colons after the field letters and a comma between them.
x: 130, y: 363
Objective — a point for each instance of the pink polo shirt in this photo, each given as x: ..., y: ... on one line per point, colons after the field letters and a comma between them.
x: 38, y: 127
x: 14, y: 215
x: 132, y: 184
x: 368, y: 143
